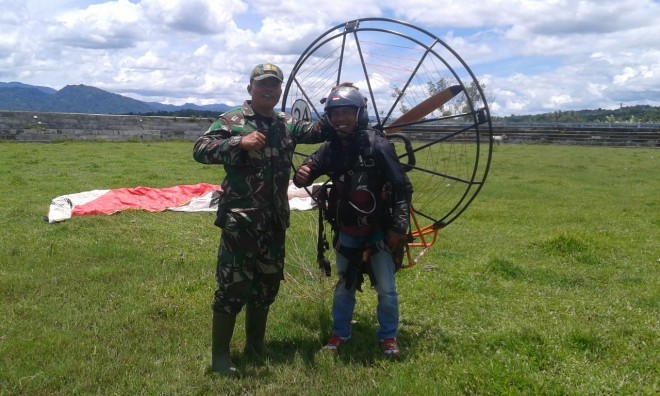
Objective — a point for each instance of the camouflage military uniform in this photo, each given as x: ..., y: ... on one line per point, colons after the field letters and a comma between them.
x: 254, y: 207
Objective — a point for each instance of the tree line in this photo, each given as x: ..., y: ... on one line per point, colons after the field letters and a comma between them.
x: 639, y: 114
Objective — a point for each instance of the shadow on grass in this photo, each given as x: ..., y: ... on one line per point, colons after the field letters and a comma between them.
x: 363, y: 350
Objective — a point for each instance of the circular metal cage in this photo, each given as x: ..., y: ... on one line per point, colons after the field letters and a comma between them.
x: 421, y: 94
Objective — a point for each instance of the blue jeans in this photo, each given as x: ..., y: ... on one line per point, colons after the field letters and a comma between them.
x: 343, y: 304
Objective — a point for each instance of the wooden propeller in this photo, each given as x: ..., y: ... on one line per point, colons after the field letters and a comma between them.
x: 426, y: 107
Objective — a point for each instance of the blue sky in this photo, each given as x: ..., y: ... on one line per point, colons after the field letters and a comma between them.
x: 533, y: 56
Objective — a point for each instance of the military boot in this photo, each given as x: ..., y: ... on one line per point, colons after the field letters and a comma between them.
x: 255, y: 330
x: 222, y: 331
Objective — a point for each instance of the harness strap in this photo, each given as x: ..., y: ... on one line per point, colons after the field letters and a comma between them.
x: 322, y: 243
x: 359, y: 263
x: 353, y: 273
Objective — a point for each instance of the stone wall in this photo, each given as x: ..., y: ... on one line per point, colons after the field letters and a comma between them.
x: 616, y: 135
x: 48, y: 127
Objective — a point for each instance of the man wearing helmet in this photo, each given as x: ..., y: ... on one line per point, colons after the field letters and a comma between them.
x: 255, y: 145
x: 369, y: 206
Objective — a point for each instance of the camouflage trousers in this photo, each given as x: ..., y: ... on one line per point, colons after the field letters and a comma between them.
x: 250, y: 268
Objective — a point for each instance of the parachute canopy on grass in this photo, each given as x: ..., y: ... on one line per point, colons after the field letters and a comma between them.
x: 184, y: 198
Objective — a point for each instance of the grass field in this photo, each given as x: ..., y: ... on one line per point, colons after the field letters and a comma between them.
x: 548, y: 284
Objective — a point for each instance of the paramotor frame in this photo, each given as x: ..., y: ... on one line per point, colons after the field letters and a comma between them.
x: 421, y: 94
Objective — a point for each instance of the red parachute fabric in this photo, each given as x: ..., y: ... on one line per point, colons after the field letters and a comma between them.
x: 143, y: 198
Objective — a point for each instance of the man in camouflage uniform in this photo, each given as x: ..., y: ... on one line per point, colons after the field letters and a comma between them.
x: 255, y: 144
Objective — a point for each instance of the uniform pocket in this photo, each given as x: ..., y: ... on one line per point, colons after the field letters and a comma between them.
x: 232, y: 221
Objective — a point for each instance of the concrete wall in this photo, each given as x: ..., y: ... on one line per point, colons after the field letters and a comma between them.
x: 46, y: 127
x: 617, y: 135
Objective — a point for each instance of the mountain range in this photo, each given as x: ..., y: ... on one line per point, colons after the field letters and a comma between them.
x: 84, y: 99
x: 90, y: 100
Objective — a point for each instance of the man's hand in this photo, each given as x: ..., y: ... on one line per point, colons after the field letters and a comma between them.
x: 395, y: 240
x: 253, y: 142
x: 302, y: 174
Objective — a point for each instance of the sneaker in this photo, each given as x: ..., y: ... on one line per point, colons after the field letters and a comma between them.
x: 390, y: 347
x: 334, y: 343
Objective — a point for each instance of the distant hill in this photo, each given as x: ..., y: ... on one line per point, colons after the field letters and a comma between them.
x: 47, y: 90
x: 639, y: 114
x: 89, y: 100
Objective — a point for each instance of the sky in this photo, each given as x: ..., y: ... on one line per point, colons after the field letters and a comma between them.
x: 532, y: 56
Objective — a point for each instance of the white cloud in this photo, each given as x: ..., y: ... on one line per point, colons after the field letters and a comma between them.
x: 533, y: 55
x: 194, y: 16
x: 100, y: 26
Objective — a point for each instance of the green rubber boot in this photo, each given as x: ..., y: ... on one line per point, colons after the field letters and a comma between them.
x: 255, y: 330
x: 222, y: 331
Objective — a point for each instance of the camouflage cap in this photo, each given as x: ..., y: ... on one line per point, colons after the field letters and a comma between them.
x: 266, y: 70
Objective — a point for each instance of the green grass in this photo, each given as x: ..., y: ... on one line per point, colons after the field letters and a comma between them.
x: 548, y: 284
